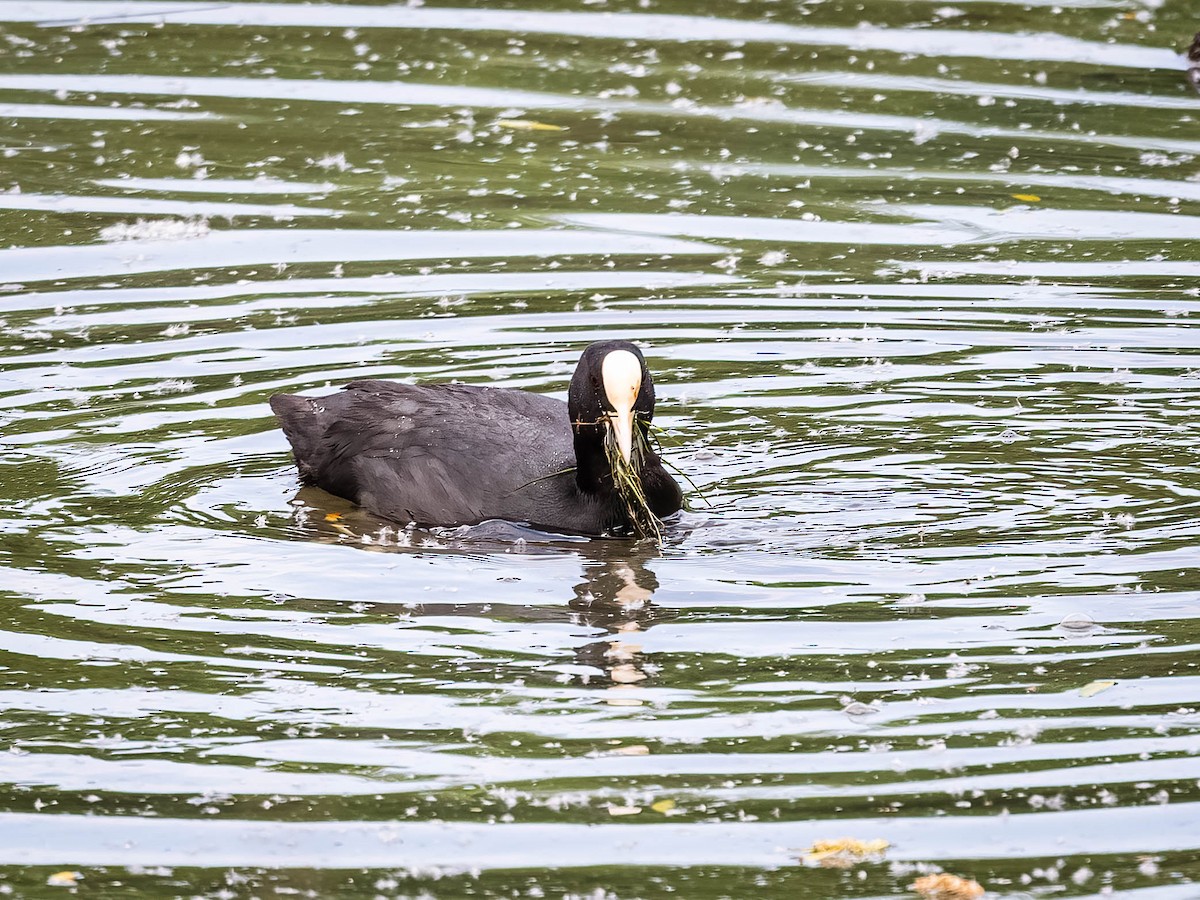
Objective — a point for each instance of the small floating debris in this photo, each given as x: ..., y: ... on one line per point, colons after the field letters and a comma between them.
x: 1027, y: 198
x: 842, y: 853
x: 855, y: 709
x: 335, y: 162
x: 190, y: 159
x: 155, y: 230
x: 629, y: 750
x: 614, y: 810
x: 665, y: 807
x: 64, y: 879
x: 171, y: 385
x: 945, y: 886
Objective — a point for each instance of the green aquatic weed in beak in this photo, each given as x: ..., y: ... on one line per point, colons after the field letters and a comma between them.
x: 624, y: 443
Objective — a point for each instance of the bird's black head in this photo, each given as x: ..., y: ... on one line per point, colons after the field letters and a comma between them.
x: 610, y: 382
x: 611, y: 403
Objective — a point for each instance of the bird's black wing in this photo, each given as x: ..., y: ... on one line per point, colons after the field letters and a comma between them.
x: 444, y: 454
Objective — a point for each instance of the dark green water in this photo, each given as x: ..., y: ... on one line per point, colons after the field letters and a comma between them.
x: 918, y: 283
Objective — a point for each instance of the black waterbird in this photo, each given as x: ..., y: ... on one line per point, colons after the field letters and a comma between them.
x: 453, y: 454
x: 1193, y: 58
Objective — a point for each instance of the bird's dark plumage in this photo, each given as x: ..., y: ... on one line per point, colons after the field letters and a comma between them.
x: 1193, y: 57
x: 460, y: 455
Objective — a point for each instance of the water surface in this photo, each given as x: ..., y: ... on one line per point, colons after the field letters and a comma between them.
x: 917, y: 285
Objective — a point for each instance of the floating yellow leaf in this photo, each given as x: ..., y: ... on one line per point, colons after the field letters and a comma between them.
x: 528, y: 125
x: 333, y: 517
x: 64, y: 879
x: 1027, y: 198
x: 663, y: 806
x: 623, y: 810
x: 945, y: 886
x: 1095, y: 687
x: 842, y: 853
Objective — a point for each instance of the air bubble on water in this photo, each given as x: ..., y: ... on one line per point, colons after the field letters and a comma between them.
x: 855, y: 709
x: 1077, y: 622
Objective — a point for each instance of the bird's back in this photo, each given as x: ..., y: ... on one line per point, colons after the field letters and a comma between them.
x: 440, y: 454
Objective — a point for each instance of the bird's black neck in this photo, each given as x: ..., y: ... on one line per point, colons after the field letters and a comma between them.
x: 593, y: 473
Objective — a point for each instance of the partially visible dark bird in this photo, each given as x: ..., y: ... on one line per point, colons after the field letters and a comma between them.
x: 458, y: 455
x: 1193, y: 57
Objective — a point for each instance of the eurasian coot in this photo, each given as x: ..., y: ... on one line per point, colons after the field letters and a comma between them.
x: 453, y: 454
x: 1193, y: 57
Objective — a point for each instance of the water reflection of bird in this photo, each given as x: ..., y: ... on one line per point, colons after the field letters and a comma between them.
x: 613, y: 598
x: 460, y: 455
x: 615, y: 595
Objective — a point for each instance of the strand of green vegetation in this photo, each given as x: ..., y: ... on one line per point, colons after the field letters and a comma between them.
x: 684, y: 475
x: 659, y: 434
x: 541, y: 478
x: 629, y: 483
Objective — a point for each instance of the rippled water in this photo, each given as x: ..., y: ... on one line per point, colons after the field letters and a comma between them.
x: 917, y: 283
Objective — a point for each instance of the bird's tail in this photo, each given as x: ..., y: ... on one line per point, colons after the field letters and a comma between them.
x: 301, y: 420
